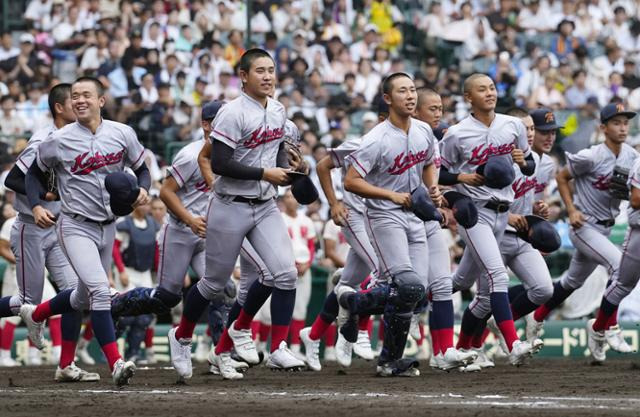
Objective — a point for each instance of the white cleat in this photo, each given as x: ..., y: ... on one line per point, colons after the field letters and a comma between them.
x: 436, y: 361
x: 453, y: 358
x: 536, y: 346
x: 520, y: 351
x: 82, y: 353
x: 8, y: 361
x: 36, y: 329
x: 470, y: 368
x: 362, y: 347
x: 616, y: 341
x: 150, y: 356
x: 225, y: 366
x: 312, y: 350
x: 483, y: 360
x: 493, y: 326
x: 123, y: 371
x: 330, y: 354
x: 34, y: 357
x: 344, y: 350
x: 596, y: 341
x: 283, y: 359
x: 202, y: 349
x: 533, y: 329
x: 243, y: 343
x: 424, y: 351
x: 180, y: 354
x: 72, y: 373
x: 414, y: 328
x: 297, y: 351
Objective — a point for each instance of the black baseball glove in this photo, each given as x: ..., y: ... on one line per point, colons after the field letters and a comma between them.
x: 618, y: 183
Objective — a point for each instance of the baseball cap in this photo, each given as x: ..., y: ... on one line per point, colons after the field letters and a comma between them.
x: 541, y: 234
x: 370, y: 28
x: 423, y: 207
x: 123, y: 191
x: 497, y: 171
x: 210, y: 109
x: 303, y: 189
x: 544, y: 119
x: 369, y: 117
x: 464, y: 210
x: 612, y: 110
x: 27, y: 38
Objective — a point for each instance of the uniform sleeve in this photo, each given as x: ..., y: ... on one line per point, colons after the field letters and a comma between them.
x: 365, y: 159
x: 580, y: 163
x: 433, y: 153
x: 226, y: 127
x: 27, y: 156
x: 47, y: 154
x: 135, y: 150
x: 449, y: 151
x: 339, y: 154
x: 182, y: 168
x: 521, y: 140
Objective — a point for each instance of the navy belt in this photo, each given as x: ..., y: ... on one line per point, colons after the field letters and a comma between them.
x: 498, y: 206
x: 606, y: 223
x: 252, y: 201
x: 81, y: 218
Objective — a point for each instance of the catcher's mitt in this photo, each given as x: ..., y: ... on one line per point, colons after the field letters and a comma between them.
x: 618, y: 183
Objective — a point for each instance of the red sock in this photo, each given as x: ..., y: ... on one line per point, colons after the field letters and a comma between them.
x: 208, y: 331
x: 541, y: 313
x: 67, y: 353
x: 42, y: 312
x: 7, y: 336
x: 370, y: 327
x: 613, y: 319
x: 318, y: 328
x: 363, y: 322
x: 478, y: 339
x: 31, y: 343
x: 330, y: 336
x: 435, y: 341
x: 148, y: 338
x: 88, y: 331
x: 110, y: 351
x: 445, y: 339
x: 243, y: 321
x: 508, y: 330
x: 278, y: 334
x: 255, y: 329
x: 464, y: 340
x: 225, y: 344
x: 603, y: 320
x: 55, y: 331
x: 185, y: 328
x: 294, y: 332
x: 265, y: 329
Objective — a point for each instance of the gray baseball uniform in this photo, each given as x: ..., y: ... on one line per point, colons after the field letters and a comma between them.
x: 81, y: 161
x: 34, y: 247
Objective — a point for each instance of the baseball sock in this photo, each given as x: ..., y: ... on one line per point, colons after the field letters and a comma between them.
x: 330, y: 336
x: 7, y: 335
x: 264, y: 331
x: 234, y: 312
x: 55, y: 333
x: 88, y: 331
x: 326, y: 317
x: 106, y: 335
x: 435, y: 342
x: 59, y: 304
x: 442, y: 323
x: 522, y: 306
x: 364, y: 322
x: 194, y: 306
x: 282, y: 303
x: 70, y: 325
x: 225, y: 344
x: 613, y: 320
x: 148, y: 337
x: 255, y: 329
x: 502, y: 314
x: 559, y: 295
x: 5, y: 307
x: 604, y: 315
x: 467, y: 329
x: 319, y: 327
x: 256, y: 297
x: 294, y: 332
x: 478, y: 339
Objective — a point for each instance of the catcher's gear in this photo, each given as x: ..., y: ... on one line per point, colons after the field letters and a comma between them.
x: 618, y: 187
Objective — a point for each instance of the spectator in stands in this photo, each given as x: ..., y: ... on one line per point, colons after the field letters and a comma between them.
x: 577, y: 95
x: 7, y: 50
x: 564, y: 43
x: 10, y: 122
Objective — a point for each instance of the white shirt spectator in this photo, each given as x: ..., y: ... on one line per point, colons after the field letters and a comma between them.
x: 37, y: 10
x: 334, y: 232
x: 8, y: 53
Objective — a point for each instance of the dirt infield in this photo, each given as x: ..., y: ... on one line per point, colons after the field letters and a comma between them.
x: 556, y: 387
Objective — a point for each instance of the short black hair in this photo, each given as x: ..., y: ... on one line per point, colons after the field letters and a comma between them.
x: 425, y: 91
x: 387, y: 83
x: 58, y: 94
x: 517, y: 112
x: 93, y: 80
x: 251, y: 55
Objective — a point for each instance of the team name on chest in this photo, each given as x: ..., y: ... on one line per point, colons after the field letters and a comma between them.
x: 202, y: 186
x: 85, y: 164
x: 481, y: 153
x: 522, y: 185
x: 602, y: 182
x: 263, y: 135
x: 403, y: 162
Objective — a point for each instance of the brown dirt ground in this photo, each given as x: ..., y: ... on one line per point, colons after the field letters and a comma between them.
x: 550, y: 387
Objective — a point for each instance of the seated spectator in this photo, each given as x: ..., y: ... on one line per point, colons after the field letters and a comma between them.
x: 10, y: 122
x: 565, y: 43
x: 547, y: 95
x: 577, y: 95
x: 613, y: 90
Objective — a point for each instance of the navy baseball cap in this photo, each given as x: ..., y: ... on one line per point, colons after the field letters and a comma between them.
x: 463, y: 209
x: 303, y: 189
x: 497, y: 172
x: 541, y: 234
x: 612, y: 110
x: 423, y: 207
x: 439, y: 131
x: 544, y: 119
x: 123, y: 192
x: 210, y: 109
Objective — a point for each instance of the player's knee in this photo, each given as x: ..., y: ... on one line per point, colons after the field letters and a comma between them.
x: 541, y: 294
x: 210, y: 288
x: 286, y: 280
x: 101, y: 298
x: 481, y: 307
x: 409, y: 287
x: 441, y: 289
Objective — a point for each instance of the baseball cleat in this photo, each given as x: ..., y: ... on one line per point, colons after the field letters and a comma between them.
x: 452, y: 358
x: 223, y: 365
x: 180, y: 354
x: 536, y: 346
x: 239, y: 366
x: 330, y: 354
x: 344, y: 349
x: 283, y: 359
x: 493, y: 326
x: 401, y: 367
x: 362, y: 347
x: 520, y: 351
x: 122, y: 372
x: 311, y: 349
x: 414, y: 328
x: 7, y: 361
x: 34, y: 357
x: 470, y: 368
x: 596, y: 342
x: 483, y: 360
x: 243, y: 343
x: 202, y: 349
x: 82, y: 353
x: 342, y: 291
x: 297, y: 351
x: 616, y: 341
x: 533, y: 329
x: 435, y: 361
x: 35, y: 329
x: 72, y: 373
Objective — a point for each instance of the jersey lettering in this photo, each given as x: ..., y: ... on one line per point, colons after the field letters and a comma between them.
x: 481, y: 153
x: 86, y: 166
x: 522, y: 185
x: 401, y: 163
x: 260, y: 137
x: 601, y: 183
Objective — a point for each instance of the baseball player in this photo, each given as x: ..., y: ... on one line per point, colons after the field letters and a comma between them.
x: 35, y: 247
x: 82, y: 154
x: 491, y: 142
x: 592, y: 211
x: 625, y: 278
x: 249, y: 156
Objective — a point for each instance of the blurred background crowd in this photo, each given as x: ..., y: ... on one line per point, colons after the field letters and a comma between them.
x: 162, y: 59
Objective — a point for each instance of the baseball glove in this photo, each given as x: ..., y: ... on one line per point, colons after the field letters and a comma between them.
x: 296, y: 160
x: 618, y: 183
x: 52, y: 182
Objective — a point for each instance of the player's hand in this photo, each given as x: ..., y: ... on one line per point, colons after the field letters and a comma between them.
x: 51, y: 196
x: 143, y: 198
x: 576, y: 219
x: 446, y: 216
x: 518, y: 157
x: 43, y: 217
x: 295, y: 159
x: 475, y: 180
x: 198, y: 226
x: 436, y: 196
x: 339, y: 214
x: 518, y: 221
x: 540, y: 208
x: 277, y: 176
x: 124, y: 278
x: 401, y: 199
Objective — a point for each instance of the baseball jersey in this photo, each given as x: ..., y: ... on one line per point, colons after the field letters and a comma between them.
x: 392, y: 159
x: 469, y: 144
x: 591, y: 169
x: 334, y: 232
x: 24, y: 161
x: 338, y: 157
x: 633, y: 215
x: 82, y: 160
x: 291, y: 132
x: 526, y: 190
x: 192, y: 188
x: 255, y: 133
